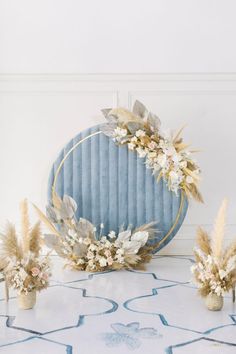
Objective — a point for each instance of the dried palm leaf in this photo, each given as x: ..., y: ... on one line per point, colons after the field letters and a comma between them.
x: 10, y: 244
x: 35, y: 239
x: 25, y: 226
x: 203, y: 241
x: 192, y: 190
x: 176, y: 137
x: 229, y: 252
x: 219, y: 230
x: 45, y: 220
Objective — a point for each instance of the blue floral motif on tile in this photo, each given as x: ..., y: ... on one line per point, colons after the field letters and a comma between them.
x: 130, y: 335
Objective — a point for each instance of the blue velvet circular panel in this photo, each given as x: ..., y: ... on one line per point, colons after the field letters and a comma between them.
x: 112, y: 185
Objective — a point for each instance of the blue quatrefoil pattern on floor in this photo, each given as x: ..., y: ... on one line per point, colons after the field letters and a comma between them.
x: 157, y: 311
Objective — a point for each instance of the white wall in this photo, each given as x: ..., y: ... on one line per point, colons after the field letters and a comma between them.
x: 46, y: 49
x: 117, y: 36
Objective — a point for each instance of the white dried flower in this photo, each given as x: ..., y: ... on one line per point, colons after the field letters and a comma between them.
x: 140, y: 133
x: 103, y: 262
x: 141, y: 152
x: 112, y: 234
x: 131, y: 146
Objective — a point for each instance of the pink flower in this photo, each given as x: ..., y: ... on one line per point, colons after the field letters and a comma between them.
x: 109, y: 261
x: 35, y: 271
x: 44, y: 276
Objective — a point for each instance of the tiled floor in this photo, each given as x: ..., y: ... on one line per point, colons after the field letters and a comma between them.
x: 157, y: 311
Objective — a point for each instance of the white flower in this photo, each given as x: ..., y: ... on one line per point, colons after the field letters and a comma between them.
x: 183, y: 164
x: 131, y: 146
x: 119, y: 132
x: 109, y: 261
x: 23, y: 274
x: 103, y: 262
x: 120, y: 251
x: 112, y: 234
x: 92, y: 247
x: 72, y: 233
x: 103, y: 239
x: 162, y: 160
x: 80, y: 261
x: 134, y: 139
x: 141, y: 152
x: 87, y: 241
x: 91, y: 263
x: 189, y: 179
x: 152, y: 145
x: 120, y: 259
x: 90, y: 255
x: 107, y: 253
x: 170, y: 150
x: 222, y: 273
x: 140, y: 133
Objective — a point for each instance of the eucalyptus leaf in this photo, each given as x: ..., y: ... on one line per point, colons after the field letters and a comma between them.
x: 106, y: 111
x: 154, y: 121
x: 80, y: 250
x: 139, y: 109
x: 68, y: 207
x: 134, y: 126
x: 51, y: 240
x: 51, y: 214
x: 108, y: 129
x: 85, y: 228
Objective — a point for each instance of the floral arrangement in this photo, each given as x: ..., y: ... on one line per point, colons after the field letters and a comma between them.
x: 23, y: 267
x: 86, y: 248
x: 215, y: 268
x: 167, y: 155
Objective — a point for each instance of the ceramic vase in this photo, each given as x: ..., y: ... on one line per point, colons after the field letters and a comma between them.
x: 214, y: 302
x: 27, y: 301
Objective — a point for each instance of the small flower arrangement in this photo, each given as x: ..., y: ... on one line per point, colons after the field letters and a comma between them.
x: 166, y: 155
x: 23, y: 267
x: 84, y: 248
x: 28, y: 273
x: 215, y: 268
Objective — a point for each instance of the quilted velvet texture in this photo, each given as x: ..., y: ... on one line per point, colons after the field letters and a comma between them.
x: 112, y: 185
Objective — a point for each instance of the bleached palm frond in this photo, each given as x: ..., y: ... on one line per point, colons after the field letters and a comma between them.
x: 219, y: 230
x: 10, y: 246
x: 203, y: 241
x: 35, y: 239
x: 229, y: 252
x: 25, y: 225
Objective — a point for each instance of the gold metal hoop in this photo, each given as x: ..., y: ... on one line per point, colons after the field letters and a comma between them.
x: 182, y: 193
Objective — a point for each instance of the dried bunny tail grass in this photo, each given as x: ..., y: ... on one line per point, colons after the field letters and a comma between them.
x: 203, y: 241
x: 25, y: 225
x: 218, y: 231
x: 229, y: 252
x: 45, y: 220
x: 10, y: 244
x: 35, y: 239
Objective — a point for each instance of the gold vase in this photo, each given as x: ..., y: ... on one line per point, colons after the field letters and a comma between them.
x: 26, y: 302
x: 214, y: 302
